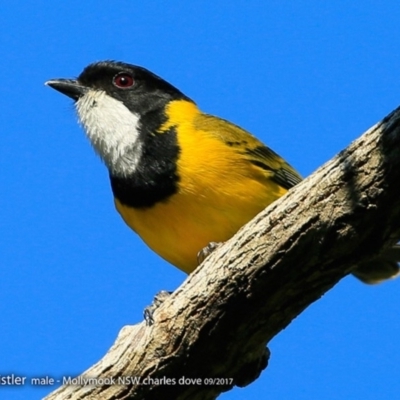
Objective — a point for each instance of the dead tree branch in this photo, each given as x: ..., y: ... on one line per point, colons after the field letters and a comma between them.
x: 218, y: 323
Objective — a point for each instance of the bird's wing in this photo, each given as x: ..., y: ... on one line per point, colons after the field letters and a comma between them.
x: 255, y: 151
x: 282, y: 173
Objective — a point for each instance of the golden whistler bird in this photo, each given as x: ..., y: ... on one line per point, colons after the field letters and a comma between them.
x: 180, y: 178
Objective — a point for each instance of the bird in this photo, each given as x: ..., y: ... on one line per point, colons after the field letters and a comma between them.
x: 181, y: 179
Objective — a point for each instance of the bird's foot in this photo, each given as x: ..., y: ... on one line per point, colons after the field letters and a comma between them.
x: 148, y: 312
x: 206, y: 251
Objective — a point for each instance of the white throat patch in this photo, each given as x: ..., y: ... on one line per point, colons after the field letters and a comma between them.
x: 112, y: 130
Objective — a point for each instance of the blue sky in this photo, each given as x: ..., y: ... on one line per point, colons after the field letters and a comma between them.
x: 305, y: 77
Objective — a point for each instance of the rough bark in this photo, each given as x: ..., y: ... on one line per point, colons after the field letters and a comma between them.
x: 218, y: 323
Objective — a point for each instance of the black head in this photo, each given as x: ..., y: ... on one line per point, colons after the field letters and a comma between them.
x: 139, y: 89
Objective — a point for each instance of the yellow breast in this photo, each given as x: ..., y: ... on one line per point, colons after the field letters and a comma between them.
x: 219, y: 191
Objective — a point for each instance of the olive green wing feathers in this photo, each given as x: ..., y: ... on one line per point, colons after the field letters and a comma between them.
x: 255, y: 151
x: 282, y: 173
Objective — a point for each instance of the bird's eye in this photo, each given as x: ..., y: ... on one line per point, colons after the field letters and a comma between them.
x: 123, y: 80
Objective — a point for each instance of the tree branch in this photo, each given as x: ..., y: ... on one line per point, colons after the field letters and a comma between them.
x: 217, y: 324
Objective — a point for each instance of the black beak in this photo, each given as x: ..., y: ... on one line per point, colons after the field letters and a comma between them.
x: 69, y: 87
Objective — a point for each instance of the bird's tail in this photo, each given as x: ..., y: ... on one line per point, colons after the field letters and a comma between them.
x: 383, y: 267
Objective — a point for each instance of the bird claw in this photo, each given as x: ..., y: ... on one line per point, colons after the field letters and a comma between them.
x: 206, y: 251
x: 148, y: 312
